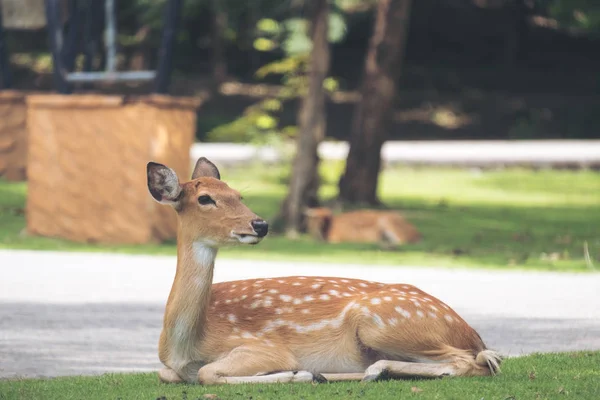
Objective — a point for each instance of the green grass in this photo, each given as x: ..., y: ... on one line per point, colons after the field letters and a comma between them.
x: 540, y: 376
x: 510, y: 219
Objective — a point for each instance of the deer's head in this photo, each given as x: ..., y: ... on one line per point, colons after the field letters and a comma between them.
x: 209, y: 211
x: 318, y: 221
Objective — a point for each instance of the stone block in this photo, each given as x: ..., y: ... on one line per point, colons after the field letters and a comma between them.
x: 87, y: 165
x: 13, y: 135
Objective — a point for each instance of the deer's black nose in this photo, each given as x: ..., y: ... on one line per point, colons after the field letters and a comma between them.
x: 261, y: 227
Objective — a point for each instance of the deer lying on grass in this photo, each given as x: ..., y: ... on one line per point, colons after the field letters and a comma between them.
x: 360, y: 226
x: 293, y: 329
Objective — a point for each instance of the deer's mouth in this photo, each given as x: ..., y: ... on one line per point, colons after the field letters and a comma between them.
x: 246, y: 238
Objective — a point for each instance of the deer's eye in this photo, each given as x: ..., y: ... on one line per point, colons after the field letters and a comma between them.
x: 205, y: 200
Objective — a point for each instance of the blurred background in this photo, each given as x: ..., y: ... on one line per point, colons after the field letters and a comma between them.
x: 306, y: 103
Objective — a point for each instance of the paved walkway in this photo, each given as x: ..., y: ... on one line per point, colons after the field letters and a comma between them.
x: 74, y: 313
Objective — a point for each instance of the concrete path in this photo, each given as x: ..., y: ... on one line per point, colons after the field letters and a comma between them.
x: 74, y: 313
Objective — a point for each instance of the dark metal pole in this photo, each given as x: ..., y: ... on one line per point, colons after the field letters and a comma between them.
x: 56, y: 45
x: 71, y: 48
x: 5, y: 75
x: 165, y: 54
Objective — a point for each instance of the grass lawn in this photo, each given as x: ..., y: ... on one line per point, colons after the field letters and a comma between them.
x: 541, y: 376
x: 497, y: 219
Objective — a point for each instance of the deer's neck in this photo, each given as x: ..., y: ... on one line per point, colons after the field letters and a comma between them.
x: 185, y: 315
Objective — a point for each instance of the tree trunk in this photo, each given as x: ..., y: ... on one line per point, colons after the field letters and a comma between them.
x: 311, y: 120
x: 384, y: 57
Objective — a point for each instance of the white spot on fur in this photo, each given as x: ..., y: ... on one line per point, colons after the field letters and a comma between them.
x: 267, y: 303
x: 302, y: 277
x: 365, y: 311
x: 332, y: 281
x: 448, y: 318
x: 432, y: 314
x: 305, y: 311
x: 413, y: 292
x: 362, y: 284
x: 248, y: 335
x: 375, y: 300
x: 244, y: 288
x: 420, y: 314
x: 402, y: 312
x: 228, y: 301
x: 285, y: 297
x: 273, y: 291
x: 324, y: 297
x: 334, y: 293
x: 434, y: 308
x: 416, y: 302
x: 346, y: 294
x: 387, y: 298
x: 345, y: 281
x: 296, y: 284
x: 308, y: 298
x: 269, y: 343
x: 278, y: 311
x: 231, y: 318
x: 401, y: 298
x: 280, y: 281
x: 393, y: 321
x: 316, y: 286
x: 244, y: 297
x: 255, y: 304
x: 297, y: 301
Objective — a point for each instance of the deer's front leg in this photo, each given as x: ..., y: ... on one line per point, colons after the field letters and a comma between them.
x: 244, y: 363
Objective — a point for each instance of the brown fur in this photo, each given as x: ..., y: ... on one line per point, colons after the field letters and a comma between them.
x: 361, y: 226
x: 231, y: 332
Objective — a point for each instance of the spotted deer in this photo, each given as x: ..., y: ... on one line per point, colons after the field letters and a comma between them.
x: 360, y: 226
x: 291, y: 329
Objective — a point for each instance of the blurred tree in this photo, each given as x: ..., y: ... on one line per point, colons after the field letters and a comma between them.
x: 311, y: 119
x: 358, y: 183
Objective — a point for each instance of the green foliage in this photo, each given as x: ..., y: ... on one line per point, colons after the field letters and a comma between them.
x: 259, y: 122
x: 579, y: 14
x: 538, y: 376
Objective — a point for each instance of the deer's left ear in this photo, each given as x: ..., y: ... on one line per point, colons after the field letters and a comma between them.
x: 205, y: 168
x: 163, y: 183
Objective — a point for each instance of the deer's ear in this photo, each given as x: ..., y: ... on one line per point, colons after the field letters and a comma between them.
x: 163, y: 183
x: 205, y: 168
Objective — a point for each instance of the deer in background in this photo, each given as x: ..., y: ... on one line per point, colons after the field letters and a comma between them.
x: 291, y: 329
x: 360, y: 226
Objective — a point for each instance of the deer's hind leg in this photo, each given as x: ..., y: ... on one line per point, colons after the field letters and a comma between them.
x: 253, y: 364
